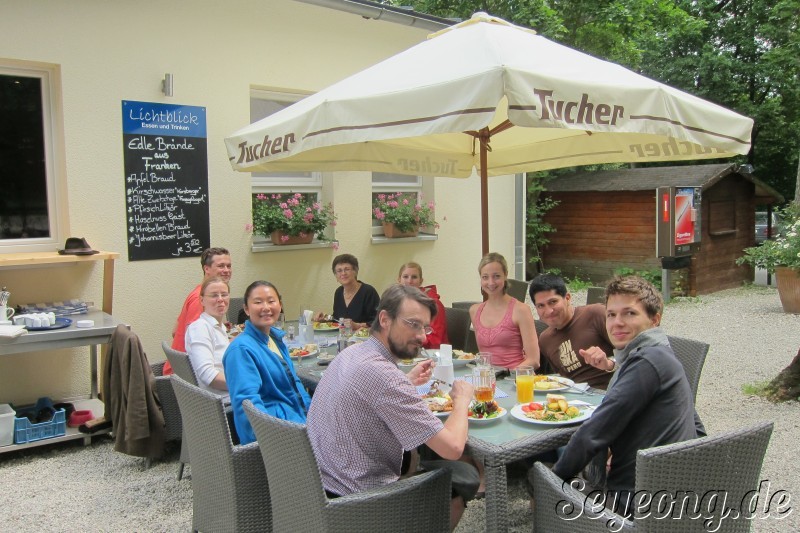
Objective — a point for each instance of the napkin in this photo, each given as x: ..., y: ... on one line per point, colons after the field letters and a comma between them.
x: 9, y: 332
x: 308, y: 315
x: 445, y: 355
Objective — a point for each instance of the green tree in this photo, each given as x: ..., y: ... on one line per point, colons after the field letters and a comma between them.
x: 744, y: 55
x: 741, y: 54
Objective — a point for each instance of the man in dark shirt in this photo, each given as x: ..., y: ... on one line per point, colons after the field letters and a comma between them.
x: 649, y: 401
x: 573, y: 333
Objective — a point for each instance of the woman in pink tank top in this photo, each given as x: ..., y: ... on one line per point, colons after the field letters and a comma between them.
x: 503, y: 325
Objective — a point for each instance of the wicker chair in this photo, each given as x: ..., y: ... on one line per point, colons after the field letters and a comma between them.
x: 464, y: 305
x: 517, y: 289
x: 544, y: 364
x: 235, y: 307
x: 457, y: 327
x: 595, y: 295
x: 169, y: 404
x: 181, y: 366
x: 692, y: 355
x: 228, y: 481
x: 729, y: 462
x: 417, y: 503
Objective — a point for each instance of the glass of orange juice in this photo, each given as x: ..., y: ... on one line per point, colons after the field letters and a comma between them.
x: 483, y: 380
x: 524, y: 381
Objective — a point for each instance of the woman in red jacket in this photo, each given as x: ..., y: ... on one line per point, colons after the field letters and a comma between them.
x: 411, y: 274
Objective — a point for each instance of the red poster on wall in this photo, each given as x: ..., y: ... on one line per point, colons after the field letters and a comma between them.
x: 684, y: 216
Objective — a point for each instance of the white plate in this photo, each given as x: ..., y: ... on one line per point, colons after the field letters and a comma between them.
x: 416, y: 360
x: 326, y: 356
x: 307, y: 356
x: 501, y: 412
x: 519, y: 414
x: 554, y: 377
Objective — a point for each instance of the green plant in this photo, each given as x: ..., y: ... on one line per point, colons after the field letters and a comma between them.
x: 577, y: 284
x: 294, y: 214
x: 536, y: 229
x: 759, y: 388
x: 653, y: 275
x: 403, y: 210
x: 783, y: 251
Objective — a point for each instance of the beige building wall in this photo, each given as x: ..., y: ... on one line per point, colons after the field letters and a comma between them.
x: 113, y: 51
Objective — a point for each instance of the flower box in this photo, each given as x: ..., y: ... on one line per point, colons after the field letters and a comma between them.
x: 391, y: 231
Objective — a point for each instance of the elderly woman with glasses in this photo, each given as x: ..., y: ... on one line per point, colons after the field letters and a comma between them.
x: 355, y: 299
x: 207, y: 338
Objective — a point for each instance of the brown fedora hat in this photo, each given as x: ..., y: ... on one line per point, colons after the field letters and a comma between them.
x: 77, y: 246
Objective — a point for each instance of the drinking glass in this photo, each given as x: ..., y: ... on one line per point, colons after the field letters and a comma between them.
x: 483, y: 359
x: 290, y: 333
x: 525, y: 381
x: 483, y: 383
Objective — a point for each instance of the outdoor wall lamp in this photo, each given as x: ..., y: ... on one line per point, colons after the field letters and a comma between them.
x: 166, y: 85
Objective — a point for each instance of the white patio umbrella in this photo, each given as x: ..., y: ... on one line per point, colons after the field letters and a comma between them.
x: 488, y: 95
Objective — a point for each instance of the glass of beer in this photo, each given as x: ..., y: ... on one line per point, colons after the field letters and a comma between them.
x: 483, y: 381
x: 525, y: 381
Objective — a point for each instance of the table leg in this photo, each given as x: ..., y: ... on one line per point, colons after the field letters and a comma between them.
x: 496, y: 498
x: 93, y: 369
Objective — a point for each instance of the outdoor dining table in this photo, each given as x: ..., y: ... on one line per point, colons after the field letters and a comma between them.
x: 498, y: 442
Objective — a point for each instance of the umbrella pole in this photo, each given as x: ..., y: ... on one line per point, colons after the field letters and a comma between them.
x: 484, y: 141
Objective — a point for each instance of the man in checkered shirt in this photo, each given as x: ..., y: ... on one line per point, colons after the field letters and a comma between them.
x: 366, y: 412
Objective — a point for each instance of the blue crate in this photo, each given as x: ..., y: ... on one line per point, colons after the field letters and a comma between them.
x: 25, y: 431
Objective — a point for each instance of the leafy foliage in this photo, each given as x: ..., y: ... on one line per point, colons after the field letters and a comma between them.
x: 653, y: 276
x: 294, y: 214
x: 783, y: 251
x: 743, y: 54
x: 536, y: 229
x: 403, y: 211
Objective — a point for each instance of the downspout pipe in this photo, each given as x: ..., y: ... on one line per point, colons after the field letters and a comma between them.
x: 388, y: 13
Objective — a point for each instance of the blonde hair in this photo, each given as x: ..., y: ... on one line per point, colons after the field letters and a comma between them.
x: 494, y: 257
x: 410, y: 264
x: 209, y: 281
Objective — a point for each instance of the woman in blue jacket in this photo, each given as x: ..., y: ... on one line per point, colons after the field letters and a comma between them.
x: 258, y: 367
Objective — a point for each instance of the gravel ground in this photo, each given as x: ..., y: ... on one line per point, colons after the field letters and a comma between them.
x: 74, y: 488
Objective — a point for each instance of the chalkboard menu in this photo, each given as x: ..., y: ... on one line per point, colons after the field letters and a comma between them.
x: 166, y: 180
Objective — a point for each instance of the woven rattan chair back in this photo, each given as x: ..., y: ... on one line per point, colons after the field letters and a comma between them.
x: 595, y: 295
x: 237, y: 304
x: 228, y: 481
x: 181, y: 364
x: 518, y: 289
x: 457, y: 327
x: 417, y: 503
x: 728, y: 464
x: 293, y: 472
x: 692, y: 355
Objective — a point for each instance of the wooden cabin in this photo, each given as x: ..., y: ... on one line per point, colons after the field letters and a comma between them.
x: 607, y: 220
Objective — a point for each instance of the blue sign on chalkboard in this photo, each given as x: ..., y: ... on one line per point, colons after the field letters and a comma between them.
x: 163, y: 119
x: 166, y: 180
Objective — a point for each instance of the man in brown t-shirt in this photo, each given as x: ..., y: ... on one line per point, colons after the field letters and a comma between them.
x: 573, y: 333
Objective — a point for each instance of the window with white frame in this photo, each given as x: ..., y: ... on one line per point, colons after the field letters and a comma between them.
x: 33, y: 210
x: 409, y: 186
x: 264, y: 103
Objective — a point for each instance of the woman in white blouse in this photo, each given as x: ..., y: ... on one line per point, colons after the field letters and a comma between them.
x: 207, y: 337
